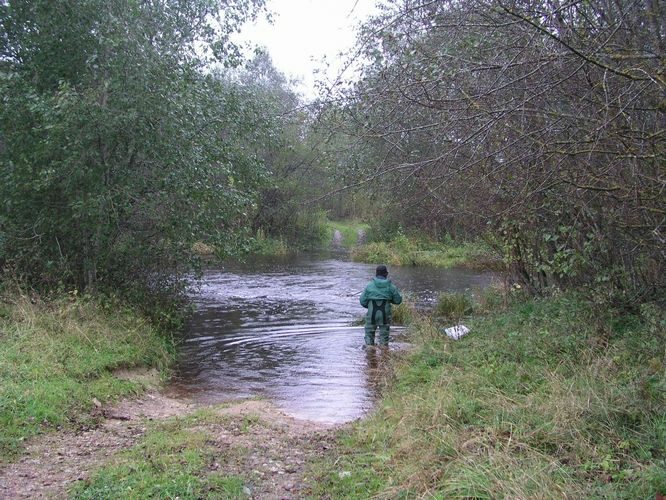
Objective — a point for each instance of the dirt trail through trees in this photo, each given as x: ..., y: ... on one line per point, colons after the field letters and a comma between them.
x: 271, y: 453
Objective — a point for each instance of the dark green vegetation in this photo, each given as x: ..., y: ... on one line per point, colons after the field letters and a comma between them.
x: 538, y: 126
x: 132, y: 132
x: 549, y: 398
x: 118, y: 152
x: 135, y: 139
x: 56, y: 358
x: 130, y: 135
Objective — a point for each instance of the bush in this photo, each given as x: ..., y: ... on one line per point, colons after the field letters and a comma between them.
x: 265, y: 245
x: 310, y: 229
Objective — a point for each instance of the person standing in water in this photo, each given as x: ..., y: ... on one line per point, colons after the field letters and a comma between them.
x: 377, y: 299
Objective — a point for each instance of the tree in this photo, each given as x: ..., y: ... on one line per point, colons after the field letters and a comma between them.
x: 542, y: 120
x: 287, y: 146
x: 118, y: 149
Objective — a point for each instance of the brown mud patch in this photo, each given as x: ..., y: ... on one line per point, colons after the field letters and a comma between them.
x: 148, y: 377
x: 271, y: 452
x: 256, y: 441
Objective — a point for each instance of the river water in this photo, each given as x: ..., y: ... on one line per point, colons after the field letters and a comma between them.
x: 284, y: 330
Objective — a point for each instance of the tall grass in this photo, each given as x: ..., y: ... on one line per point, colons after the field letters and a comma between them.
x: 549, y: 399
x: 453, y: 305
x: 265, y: 245
x: 404, y: 313
x: 56, y: 357
x: 417, y: 251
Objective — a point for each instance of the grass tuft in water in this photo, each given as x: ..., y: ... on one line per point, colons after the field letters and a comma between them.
x: 454, y: 305
x: 404, y: 313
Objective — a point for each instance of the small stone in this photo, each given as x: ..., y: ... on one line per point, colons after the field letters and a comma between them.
x: 115, y: 416
x: 97, y: 403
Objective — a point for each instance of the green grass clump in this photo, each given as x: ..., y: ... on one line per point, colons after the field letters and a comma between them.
x: 406, y: 251
x: 453, y: 305
x: 377, y: 252
x: 549, y: 399
x: 265, y: 245
x: 403, y: 313
x: 55, y: 358
x: 175, y: 459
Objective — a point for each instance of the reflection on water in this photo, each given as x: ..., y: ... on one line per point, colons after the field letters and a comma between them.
x: 282, y: 330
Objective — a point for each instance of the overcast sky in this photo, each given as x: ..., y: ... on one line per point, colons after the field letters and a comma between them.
x: 305, y: 31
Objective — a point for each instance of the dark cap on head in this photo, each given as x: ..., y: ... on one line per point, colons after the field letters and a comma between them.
x: 381, y: 271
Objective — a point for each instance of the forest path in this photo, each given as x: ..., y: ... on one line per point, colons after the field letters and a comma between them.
x: 256, y: 441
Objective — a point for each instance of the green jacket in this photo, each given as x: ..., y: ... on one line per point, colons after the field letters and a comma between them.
x: 381, y: 289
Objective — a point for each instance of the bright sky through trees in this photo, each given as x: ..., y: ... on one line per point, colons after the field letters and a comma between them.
x: 304, y: 32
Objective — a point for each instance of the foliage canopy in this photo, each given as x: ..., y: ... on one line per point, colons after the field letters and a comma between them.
x: 541, y: 121
x: 119, y: 149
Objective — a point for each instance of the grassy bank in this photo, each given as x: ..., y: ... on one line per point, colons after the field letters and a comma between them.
x: 267, y: 246
x: 55, y: 358
x: 549, y: 399
x: 418, y: 251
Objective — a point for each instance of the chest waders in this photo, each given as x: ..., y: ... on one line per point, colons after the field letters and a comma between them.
x: 377, y: 316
